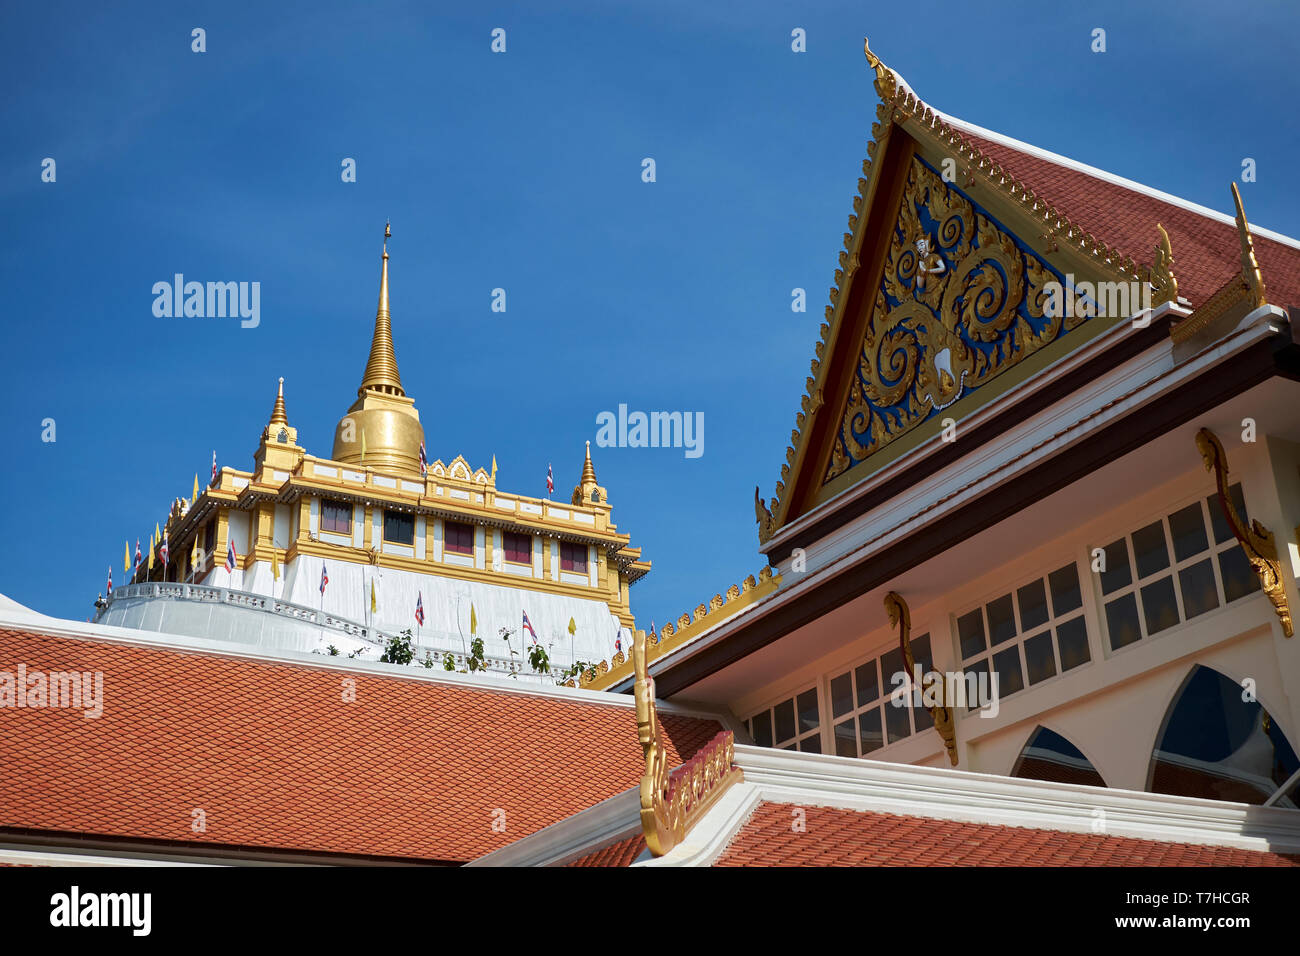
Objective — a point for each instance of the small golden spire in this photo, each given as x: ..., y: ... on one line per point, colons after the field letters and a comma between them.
x: 1163, y: 282
x: 1250, y: 273
x: 381, y: 370
x: 278, y: 416
x: 588, y: 470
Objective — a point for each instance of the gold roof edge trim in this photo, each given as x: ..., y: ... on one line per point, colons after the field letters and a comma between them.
x: 900, y: 106
x: 619, y: 667
x: 673, y: 802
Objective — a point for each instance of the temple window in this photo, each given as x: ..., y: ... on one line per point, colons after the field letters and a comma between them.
x: 573, y: 557
x: 863, y: 711
x: 458, y: 537
x: 399, y: 528
x: 335, y: 516
x: 518, y: 547
x: 1049, y: 756
x: 1170, y: 571
x: 793, y: 724
x: 1215, y: 745
x: 1027, y: 635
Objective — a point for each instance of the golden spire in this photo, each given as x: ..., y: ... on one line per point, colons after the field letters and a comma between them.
x: 381, y: 370
x: 1250, y: 274
x: 588, y: 470
x: 278, y: 416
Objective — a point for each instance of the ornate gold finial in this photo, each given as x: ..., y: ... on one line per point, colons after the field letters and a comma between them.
x: 763, y: 516
x: 381, y: 370
x: 901, y: 616
x: 278, y: 416
x: 588, y: 470
x: 1163, y: 284
x: 671, y: 803
x: 1256, y: 541
x: 885, y: 82
x: 1250, y: 273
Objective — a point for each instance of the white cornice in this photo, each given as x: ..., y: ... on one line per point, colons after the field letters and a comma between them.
x: 609, y: 821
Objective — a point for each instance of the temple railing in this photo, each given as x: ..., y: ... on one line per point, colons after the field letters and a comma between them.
x: 205, y: 594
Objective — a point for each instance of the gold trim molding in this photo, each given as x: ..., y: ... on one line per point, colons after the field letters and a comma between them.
x: 671, y: 636
x: 671, y: 803
x: 900, y: 616
x: 1256, y: 540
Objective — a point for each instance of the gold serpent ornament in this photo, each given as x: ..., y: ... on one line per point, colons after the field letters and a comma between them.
x: 671, y: 803
x: 901, y: 617
x: 1256, y: 540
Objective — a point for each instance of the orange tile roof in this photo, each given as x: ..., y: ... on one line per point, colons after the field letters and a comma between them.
x: 1206, y: 251
x: 276, y: 759
x: 622, y: 853
x: 858, y: 838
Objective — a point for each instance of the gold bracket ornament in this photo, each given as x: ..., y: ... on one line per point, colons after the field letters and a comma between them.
x: 1256, y: 540
x: 671, y: 803
x: 901, y: 616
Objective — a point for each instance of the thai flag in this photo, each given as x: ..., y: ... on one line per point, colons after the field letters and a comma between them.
x: 231, y: 556
x: 324, y: 579
x: 424, y: 461
x: 214, y: 466
x: 618, y: 644
x: 550, y: 480
x: 419, y: 609
x: 110, y: 580
x: 163, y: 549
x: 529, y: 627
x: 138, y: 556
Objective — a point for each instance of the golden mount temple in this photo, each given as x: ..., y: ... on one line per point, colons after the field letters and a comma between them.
x: 307, y: 553
x: 1027, y: 587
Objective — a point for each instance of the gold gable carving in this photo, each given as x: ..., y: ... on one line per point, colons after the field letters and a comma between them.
x: 952, y: 312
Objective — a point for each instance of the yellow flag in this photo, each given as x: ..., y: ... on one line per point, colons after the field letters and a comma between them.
x: 473, y: 620
x: 196, y: 488
x: 573, y: 626
x: 127, y: 565
x: 275, y: 564
x: 150, y: 553
x: 157, y: 532
x: 194, y: 555
x: 363, y: 446
x: 374, y: 606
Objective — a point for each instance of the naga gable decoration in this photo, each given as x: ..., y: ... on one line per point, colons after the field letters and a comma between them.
x: 671, y: 803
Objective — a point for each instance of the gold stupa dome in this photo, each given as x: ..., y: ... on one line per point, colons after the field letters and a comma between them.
x: 382, y: 428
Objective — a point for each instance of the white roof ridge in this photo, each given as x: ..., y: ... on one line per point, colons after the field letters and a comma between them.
x: 1039, y: 153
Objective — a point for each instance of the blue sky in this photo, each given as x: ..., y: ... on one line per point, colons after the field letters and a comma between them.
x: 519, y: 171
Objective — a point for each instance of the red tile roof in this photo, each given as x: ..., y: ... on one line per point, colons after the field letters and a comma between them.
x: 622, y: 853
x: 856, y: 838
x: 1206, y: 250
x: 276, y: 759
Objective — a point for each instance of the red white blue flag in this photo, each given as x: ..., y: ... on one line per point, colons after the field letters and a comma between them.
x: 231, y: 556
x: 138, y: 556
x: 550, y: 480
x: 162, y: 551
x: 424, y: 461
x: 419, y: 609
x: 214, y: 466
x: 529, y: 627
x: 110, y: 579
x: 324, y: 579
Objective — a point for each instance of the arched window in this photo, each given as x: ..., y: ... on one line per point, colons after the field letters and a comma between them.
x: 1049, y: 756
x: 1216, y: 745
